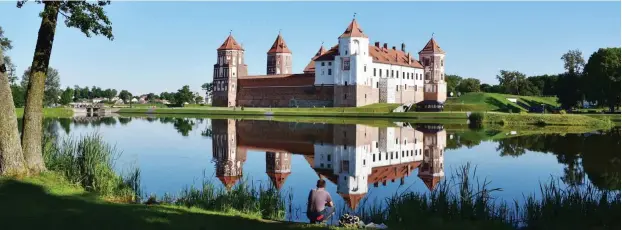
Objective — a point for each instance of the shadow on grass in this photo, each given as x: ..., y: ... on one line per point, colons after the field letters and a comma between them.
x: 29, y: 206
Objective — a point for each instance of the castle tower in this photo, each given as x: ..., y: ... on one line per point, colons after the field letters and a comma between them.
x: 352, y: 85
x: 432, y: 169
x: 279, y: 58
x: 310, y: 68
x: 432, y: 57
x: 229, y: 66
x: 228, y: 159
x: 278, y: 167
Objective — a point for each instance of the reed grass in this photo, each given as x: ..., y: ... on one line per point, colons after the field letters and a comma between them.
x: 89, y: 162
x: 464, y: 199
x: 246, y: 197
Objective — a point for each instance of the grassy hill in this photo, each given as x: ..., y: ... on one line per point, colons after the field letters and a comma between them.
x: 496, y: 102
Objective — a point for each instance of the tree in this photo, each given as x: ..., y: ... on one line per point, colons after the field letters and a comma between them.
x: 452, y: 82
x: 90, y: 18
x: 468, y: 85
x: 151, y: 96
x: 184, y: 95
x: 66, y: 97
x: 510, y: 81
x: 125, y: 96
x: 52, y: 85
x: 545, y: 84
x: 11, y: 155
x: 568, y: 85
x: 198, y: 99
x: 208, y: 88
x: 602, y: 77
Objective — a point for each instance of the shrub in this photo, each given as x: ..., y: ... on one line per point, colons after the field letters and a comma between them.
x: 562, y: 111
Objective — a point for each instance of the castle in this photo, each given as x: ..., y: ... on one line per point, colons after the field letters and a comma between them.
x: 351, y: 156
x: 350, y: 74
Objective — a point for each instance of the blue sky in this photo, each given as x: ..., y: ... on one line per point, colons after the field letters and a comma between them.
x: 161, y: 46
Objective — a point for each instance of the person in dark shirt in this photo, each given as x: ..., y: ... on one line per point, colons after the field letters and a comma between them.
x: 320, y: 205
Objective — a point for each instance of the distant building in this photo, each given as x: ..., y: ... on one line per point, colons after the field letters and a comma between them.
x: 350, y: 74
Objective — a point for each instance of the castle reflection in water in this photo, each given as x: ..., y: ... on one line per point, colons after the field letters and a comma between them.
x: 351, y: 156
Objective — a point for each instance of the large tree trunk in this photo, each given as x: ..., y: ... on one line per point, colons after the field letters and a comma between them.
x: 32, y: 134
x: 11, y: 157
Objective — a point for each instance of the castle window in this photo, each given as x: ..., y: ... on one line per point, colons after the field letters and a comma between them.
x: 365, y: 68
x: 403, y: 75
x: 366, y: 98
x: 322, y: 63
x: 328, y: 157
x: 330, y: 63
x: 344, y: 147
x: 330, y: 72
x: 376, y: 144
x: 380, y: 72
x: 392, y: 73
x: 387, y: 73
x: 374, y: 158
x: 377, y: 85
x: 345, y: 96
x: 427, y: 76
x: 402, y: 153
x: 346, y: 83
x: 374, y: 72
x: 442, y: 62
x: 346, y: 52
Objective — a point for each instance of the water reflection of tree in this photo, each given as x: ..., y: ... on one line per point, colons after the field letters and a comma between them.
x: 597, y: 155
x: 183, y: 126
x: 65, y: 123
x: 124, y: 120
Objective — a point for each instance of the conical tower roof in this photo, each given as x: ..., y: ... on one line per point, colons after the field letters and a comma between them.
x: 279, y: 46
x: 278, y: 179
x: 430, y: 181
x: 321, y: 51
x: 230, y: 44
x: 432, y: 46
x: 353, y: 30
x: 229, y: 181
x: 352, y: 200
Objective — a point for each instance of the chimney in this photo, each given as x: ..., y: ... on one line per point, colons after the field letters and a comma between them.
x: 403, y: 47
x: 409, y: 58
x: 377, y: 44
x: 385, y: 46
x: 393, y: 47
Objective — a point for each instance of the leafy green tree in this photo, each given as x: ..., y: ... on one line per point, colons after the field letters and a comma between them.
x: 452, y: 82
x: 90, y: 18
x: 184, y: 95
x: 545, y: 84
x: 208, y: 88
x: 12, y: 161
x: 602, y: 77
x: 468, y: 85
x: 151, y: 97
x: 125, y: 95
x: 198, y: 99
x: 52, y: 85
x: 511, y: 81
x: 67, y: 96
x: 568, y: 85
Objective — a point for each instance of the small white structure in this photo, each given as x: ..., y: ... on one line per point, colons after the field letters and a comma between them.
x: 512, y: 99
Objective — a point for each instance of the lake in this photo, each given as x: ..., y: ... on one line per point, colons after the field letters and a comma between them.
x: 362, y: 164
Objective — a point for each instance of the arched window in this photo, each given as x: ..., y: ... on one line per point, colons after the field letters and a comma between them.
x: 427, y: 76
x: 355, y: 48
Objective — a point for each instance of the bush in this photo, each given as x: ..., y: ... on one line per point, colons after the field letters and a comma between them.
x: 562, y: 111
x: 88, y: 161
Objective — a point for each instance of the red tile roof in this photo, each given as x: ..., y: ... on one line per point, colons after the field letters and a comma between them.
x: 391, y: 172
x: 277, y: 80
x: 229, y: 181
x: 379, y: 55
x: 353, y: 30
x: 310, y: 68
x: 230, y: 44
x: 430, y: 181
x: 352, y: 200
x: 393, y: 57
x: 278, y: 179
x: 279, y: 46
x: 432, y: 46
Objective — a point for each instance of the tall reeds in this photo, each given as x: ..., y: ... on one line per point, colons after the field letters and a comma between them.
x: 459, y: 200
x: 89, y: 162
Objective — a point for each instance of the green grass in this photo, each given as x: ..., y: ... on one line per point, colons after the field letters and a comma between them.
x: 48, y: 112
x: 48, y: 201
x: 496, y: 102
x: 505, y: 119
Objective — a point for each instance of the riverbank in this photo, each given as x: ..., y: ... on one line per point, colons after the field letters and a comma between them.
x: 48, y: 201
x: 48, y: 112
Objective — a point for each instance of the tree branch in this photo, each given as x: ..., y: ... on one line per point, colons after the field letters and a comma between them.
x: 61, y: 12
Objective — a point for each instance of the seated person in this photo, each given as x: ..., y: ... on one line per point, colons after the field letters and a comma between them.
x: 320, y: 205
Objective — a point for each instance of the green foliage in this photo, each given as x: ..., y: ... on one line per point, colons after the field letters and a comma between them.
x: 198, y: 100
x: 125, y: 95
x: 468, y: 85
x: 49, y: 112
x: 66, y: 97
x: 452, y: 82
x: 52, y: 85
x: 476, y: 120
x: 89, y: 162
x: 545, y: 119
x: 19, y: 95
x: 208, y: 88
x: 514, y: 82
x: 602, y: 77
x: 184, y: 95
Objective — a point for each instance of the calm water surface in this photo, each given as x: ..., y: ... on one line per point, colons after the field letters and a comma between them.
x: 362, y: 163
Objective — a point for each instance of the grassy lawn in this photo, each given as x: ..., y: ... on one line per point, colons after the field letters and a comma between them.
x: 496, y: 102
x: 49, y: 202
x: 48, y: 112
x: 506, y: 119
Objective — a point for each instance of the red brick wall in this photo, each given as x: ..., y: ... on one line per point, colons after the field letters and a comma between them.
x: 281, y: 96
